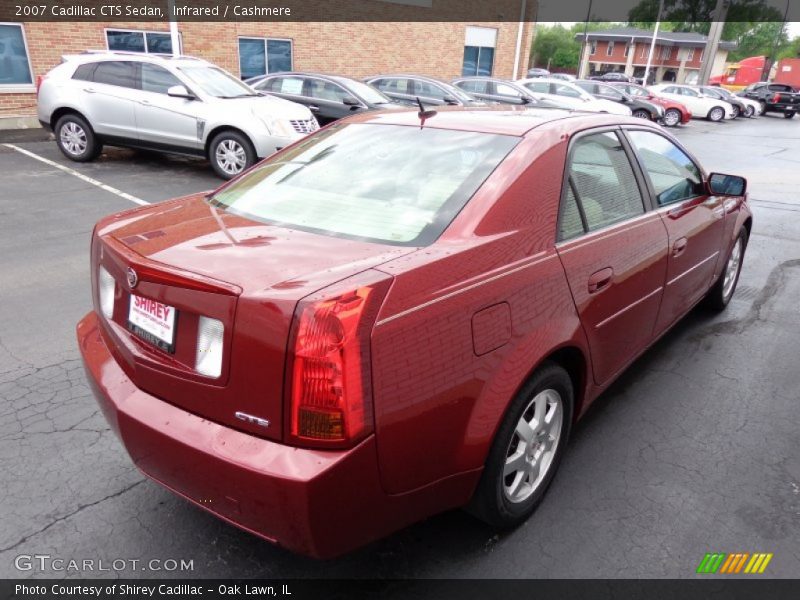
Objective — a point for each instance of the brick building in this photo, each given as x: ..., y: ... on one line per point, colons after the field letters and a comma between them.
x: 676, y: 57
x: 358, y: 49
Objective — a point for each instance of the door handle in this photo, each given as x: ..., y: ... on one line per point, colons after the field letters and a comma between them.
x: 679, y: 246
x: 89, y: 90
x: 146, y: 102
x: 600, y: 279
x: 313, y: 107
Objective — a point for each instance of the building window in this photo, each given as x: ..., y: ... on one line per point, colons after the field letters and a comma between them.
x: 645, y: 51
x: 15, y: 68
x: 610, y: 49
x: 627, y: 50
x: 666, y: 53
x: 690, y: 54
x: 593, y: 46
x: 479, y: 45
x: 702, y: 54
x: 149, y: 42
x: 259, y: 56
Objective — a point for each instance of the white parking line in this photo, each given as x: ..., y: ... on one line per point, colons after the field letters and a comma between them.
x: 81, y: 176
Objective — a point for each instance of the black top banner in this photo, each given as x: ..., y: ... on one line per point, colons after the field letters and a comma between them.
x: 394, y: 10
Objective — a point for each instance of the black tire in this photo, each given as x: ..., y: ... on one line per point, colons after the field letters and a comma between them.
x: 672, y: 117
x: 490, y: 502
x: 720, y: 294
x: 763, y: 106
x: 716, y: 114
x: 76, y: 139
x: 749, y: 112
x: 736, y: 112
x: 788, y: 115
x: 641, y: 113
x: 231, y: 153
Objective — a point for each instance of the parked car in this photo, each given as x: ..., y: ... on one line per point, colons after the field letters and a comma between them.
x: 184, y: 105
x: 537, y: 72
x: 640, y: 108
x: 399, y: 315
x: 675, y: 113
x: 613, y: 76
x: 702, y: 106
x: 774, y: 97
x: 740, y: 107
x: 562, y: 76
x: 554, y: 90
x: 329, y: 97
x: 506, y: 92
x: 405, y: 89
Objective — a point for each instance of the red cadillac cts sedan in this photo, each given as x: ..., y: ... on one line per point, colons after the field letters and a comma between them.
x: 399, y: 315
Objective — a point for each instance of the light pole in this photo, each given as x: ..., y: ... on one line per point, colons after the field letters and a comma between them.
x: 583, y: 42
x: 653, y: 43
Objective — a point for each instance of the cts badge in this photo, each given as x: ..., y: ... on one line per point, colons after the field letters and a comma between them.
x: 251, y: 419
x: 133, y: 278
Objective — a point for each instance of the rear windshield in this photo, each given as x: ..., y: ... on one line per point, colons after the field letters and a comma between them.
x: 382, y: 183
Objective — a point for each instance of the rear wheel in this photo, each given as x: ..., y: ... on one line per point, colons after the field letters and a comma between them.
x: 641, y: 113
x: 736, y: 112
x: 527, y: 449
x: 762, y: 107
x: 672, y: 117
x: 788, y: 115
x: 716, y: 114
x: 231, y: 153
x: 75, y: 139
x: 721, y: 293
x: 749, y: 111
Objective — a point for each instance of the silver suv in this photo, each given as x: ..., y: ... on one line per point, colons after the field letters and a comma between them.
x: 182, y: 105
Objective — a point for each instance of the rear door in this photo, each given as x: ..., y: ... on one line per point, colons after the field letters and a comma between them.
x: 613, y: 249
x: 109, y: 99
x: 694, y: 221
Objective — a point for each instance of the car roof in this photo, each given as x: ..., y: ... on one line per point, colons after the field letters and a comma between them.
x: 407, y: 76
x: 502, y: 120
x: 103, y: 55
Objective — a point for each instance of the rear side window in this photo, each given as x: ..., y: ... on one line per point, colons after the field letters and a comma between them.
x: 673, y: 175
x: 157, y: 79
x: 601, y: 187
x: 381, y: 183
x: 397, y: 86
x: 85, y: 72
x: 119, y: 73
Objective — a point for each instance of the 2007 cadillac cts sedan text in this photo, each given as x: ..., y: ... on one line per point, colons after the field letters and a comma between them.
x: 399, y: 314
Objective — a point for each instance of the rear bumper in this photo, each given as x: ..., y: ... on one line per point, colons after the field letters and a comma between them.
x: 319, y: 503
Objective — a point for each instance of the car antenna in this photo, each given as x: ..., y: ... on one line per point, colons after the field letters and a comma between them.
x: 424, y: 114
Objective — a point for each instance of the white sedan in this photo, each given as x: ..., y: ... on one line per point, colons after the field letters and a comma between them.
x: 701, y: 105
x: 570, y: 94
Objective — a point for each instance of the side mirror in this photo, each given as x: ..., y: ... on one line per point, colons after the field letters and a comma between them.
x: 526, y: 100
x: 350, y: 101
x: 450, y: 100
x: 178, y: 91
x: 726, y: 185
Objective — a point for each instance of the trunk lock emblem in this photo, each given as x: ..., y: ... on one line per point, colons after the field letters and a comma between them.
x: 133, y: 278
x: 251, y: 419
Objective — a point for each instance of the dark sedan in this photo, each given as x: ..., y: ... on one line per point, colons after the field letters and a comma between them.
x: 329, y: 97
x: 405, y: 89
x: 642, y: 109
x: 500, y: 91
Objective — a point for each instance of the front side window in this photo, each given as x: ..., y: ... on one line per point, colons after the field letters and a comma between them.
x: 259, y: 56
x: 541, y: 87
x: 396, y: 86
x: 15, y: 69
x: 609, y: 91
x: 504, y: 89
x: 151, y: 42
x: 117, y: 73
x: 473, y: 86
x: 673, y: 174
x: 383, y: 183
x: 423, y: 88
x: 325, y: 90
x: 157, y: 79
x: 602, y: 182
x: 567, y: 90
x: 216, y: 82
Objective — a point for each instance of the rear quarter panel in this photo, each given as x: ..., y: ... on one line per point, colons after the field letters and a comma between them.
x: 443, y: 377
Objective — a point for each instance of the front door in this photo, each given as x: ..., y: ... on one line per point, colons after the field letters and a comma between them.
x: 613, y: 250
x: 165, y: 120
x: 694, y: 221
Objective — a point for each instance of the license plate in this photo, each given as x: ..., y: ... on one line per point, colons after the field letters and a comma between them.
x: 153, y: 321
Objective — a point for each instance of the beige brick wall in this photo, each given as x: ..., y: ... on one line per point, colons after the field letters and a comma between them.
x: 354, y: 49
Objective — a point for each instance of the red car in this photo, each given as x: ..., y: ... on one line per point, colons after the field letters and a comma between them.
x: 399, y: 314
x: 675, y: 113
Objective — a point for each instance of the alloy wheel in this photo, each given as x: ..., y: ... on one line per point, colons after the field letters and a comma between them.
x: 716, y: 114
x: 533, y: 446
x: 641, y: 114
x: 732, y: 270
x: 672, y: 117
x: 230, y: 156
x: 73, y: 138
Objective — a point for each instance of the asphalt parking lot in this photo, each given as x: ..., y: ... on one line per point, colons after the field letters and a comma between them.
x: 695, y: 449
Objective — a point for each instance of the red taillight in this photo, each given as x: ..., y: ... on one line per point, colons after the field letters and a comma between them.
x: 330, y: 387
